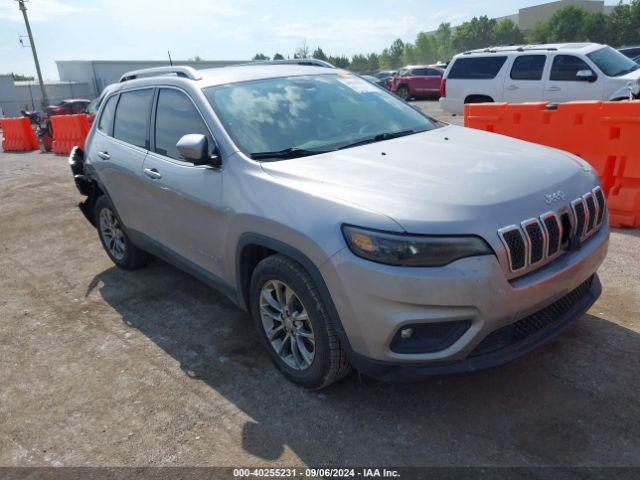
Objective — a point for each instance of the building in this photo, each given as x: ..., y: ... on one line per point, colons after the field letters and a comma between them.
x: 97, y: 74
x: 17, y: 96
x: 527, y: 17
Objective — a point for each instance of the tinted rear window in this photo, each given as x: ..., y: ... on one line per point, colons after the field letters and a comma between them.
x: 106, y: 119
x: 528, y: 67
x: 477, y: 68
x: 132, y: 117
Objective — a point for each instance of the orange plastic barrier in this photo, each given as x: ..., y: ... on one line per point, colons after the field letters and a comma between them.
x: 69, y: 131
x: 17, y: 135
x: 605, y: 134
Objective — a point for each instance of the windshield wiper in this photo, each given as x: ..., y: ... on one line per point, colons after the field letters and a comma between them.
x: 378, y: 138
x: 292, y: 152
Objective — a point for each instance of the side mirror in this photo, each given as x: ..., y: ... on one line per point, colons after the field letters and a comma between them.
x: 194, y: 147
x: 586, y: 75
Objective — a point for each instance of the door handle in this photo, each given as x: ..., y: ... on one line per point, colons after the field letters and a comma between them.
x: 104, y: 155
x: 553, y: 89
x: 512, y: 87
x: 152, y: 173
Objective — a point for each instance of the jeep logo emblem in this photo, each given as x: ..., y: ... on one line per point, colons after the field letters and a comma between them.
x: 554, y: 197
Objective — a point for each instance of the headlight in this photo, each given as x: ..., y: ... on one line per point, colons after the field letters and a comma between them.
x: 412, y: 250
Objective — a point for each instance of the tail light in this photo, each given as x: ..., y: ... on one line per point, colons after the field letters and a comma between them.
x: 443, y: 87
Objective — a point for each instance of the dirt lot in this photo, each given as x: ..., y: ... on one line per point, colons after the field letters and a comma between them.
x: 103, y: 367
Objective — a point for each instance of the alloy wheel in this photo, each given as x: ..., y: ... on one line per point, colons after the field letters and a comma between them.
x: 286, y: 323
x: 112, y: 234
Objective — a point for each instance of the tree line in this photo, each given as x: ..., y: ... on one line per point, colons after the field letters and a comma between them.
x: 570, y: 24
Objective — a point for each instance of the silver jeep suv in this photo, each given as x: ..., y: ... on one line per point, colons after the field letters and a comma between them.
x: 355, y: 229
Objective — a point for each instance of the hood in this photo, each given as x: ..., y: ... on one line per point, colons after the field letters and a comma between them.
x: 447, y: 180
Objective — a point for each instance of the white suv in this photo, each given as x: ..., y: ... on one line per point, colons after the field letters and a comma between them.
x: 530, y: 73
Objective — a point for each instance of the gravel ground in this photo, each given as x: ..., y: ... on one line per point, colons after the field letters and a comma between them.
x: 100, y: 367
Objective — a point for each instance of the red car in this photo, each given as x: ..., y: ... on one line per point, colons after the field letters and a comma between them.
x: 417, y: 81
x: 68, y: 107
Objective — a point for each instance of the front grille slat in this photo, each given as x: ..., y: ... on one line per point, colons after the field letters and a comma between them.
x: 516, y: 247
x: 545, y: 318
x: 580, y: 214
x: 591, y: 210
x: 536, y: 240
x: 554, y: 232
x: 599, y: 196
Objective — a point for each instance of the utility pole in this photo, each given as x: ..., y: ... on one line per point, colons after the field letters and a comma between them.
x: 23, y: 8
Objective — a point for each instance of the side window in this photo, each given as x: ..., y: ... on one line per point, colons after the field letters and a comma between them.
x: 176, y: 116
x: 566, y: 67
x: 132, y: 117
x: 476, y: 68
x: 106, y: 119
x: 434, y: 73
x: 528, y: 67
x: 420, y: 71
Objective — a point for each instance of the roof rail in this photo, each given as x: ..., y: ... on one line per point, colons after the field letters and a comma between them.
x: 180, y: 71
x: 522, y: 48
x: 313, y: 62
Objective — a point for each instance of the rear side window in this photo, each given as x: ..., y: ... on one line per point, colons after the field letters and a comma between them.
x: 176, y: 116
x: 420, y: 71
x: 433, y: 72
x: 528, y: 67
x: 476, y: 68
x: 132, y: 117
x: 566, y: 67
x: 106, y: 119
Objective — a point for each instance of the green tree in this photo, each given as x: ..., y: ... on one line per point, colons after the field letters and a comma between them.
x: 373, y: 62
x: 395, y: 53
x: 21, y: 78
x: 595, y: 28
x: 425, y: 49
x: 443, y: 42
x: 339, y: 61
x: 624, y: 24
x: 260, y: 56
x: 506, y: 32
x: 319, y: 54
x: 409, y: 54
x: 384, y: 60
x: 476, y: 33
x: 359, y: 63
x: 278, y: 56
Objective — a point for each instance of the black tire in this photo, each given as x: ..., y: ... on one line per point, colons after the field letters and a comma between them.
x: 132, y: 257
x: 330, y: 360
x: 403, y: 92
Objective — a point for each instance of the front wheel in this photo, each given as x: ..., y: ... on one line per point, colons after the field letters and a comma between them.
x: 294, y: 324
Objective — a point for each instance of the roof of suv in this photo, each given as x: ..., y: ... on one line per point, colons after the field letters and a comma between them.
x: 576, y: 47
x: 222, y: 75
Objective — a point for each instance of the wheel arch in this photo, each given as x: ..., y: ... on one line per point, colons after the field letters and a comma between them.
x: 253, y: 247
x: 476, y: 97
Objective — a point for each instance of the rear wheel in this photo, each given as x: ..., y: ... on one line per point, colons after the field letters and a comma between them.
x: 478, y: 99
x: 294, y: 324
x: 114, y: 238
x: 403, y: 92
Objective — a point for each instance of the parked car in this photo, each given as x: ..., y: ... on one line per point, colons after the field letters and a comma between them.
x: 631, y: 52
x: 375, y: 80
x: 416, y: 81
x: 68, y: 107
x: 384, y: 76
x: 554, y: 73
x: 356, y: 230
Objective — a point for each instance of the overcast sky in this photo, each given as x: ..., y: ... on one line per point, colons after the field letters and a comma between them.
x: 220, y: 29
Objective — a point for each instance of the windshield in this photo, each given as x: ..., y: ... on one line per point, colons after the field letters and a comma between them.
x: 311, y: 113
x: 612, y: 62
